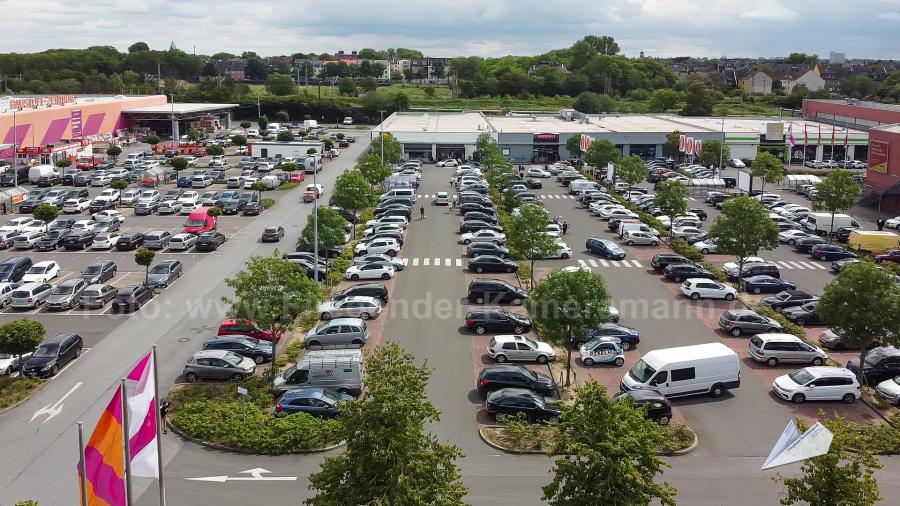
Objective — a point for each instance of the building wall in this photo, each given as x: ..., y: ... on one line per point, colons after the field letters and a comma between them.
x: 876, y: 181
x: 758, y: 82
x: 39, y: 127
x: 812, y: 81
x: 870, y: 117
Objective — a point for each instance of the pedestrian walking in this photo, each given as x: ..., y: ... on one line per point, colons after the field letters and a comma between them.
x: 164, y: 416
x: 565, y: 228
x: 452, y: 180
x: 880, y: 223
x: 450, y: 207
x: 422, y: 212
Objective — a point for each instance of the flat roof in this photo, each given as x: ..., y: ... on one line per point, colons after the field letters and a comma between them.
x: 894, y: 129
x: 864, y: 104
x: 178, y: 108
x: 444, y: 122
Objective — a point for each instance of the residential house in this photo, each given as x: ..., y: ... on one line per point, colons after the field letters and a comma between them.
x: 753, y: 80
x: 233, y: 67
x: 349, y: 59
x: 792, y: 75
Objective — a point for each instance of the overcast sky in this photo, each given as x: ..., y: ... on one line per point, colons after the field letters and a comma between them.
x: 859, y: 28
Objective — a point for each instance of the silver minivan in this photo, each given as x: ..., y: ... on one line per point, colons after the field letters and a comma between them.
x: 776, y: 347
x: 157, y: 239
x: 30, y: 295
x: 339, y: 331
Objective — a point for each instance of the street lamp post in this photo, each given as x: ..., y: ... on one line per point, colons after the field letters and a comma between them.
x: 15, y: 151
x: 381, y: 134
x: 174, y: 129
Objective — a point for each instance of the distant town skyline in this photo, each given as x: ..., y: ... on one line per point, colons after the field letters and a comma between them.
x: 489, y: 28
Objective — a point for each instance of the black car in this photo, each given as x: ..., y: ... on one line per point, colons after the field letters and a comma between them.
x: 252, y: 209
x: 131, y: 298
x: 805, y: 244
x: 476, y: 207
x: 472, y: 226
x: 77, y: 193
x: 272, y: 234
x: 347, y: 215
x: 49, y: 180
x: 248, y: 197
x: 98, y: 272
x: 662, y: 260
x: 699, y: 212
x: 81, y: 179
x: 499, y: 376
x: 658, y: 407
x: 839, y: 265
x: 12, y: 270
x: 61, y: 224
x: 53, y: 240
x: 52, y: 355
x: 145, y: 208
x: 229, y: 206
x: 803, y: 315
x: 534, y: 183
x: 628, y: 337
x: 497, y: 320
x: 377, y: 290
x: 830, y: 253
x: 788, y: 298
x: 518, y: 401
x: 488, y: 217
x: 259, y: 351
x: 881, y: 363
x: 394, y: 211
x: 395, y: 234
x: 328, y: 253
x: 486, y: 248
x: 130, y: 242
x: 101, y: 205
x: 78, y: 240
x: 209, y: 241
x: 319, y: 273
x: 490, y: 263
x: 604, y: 248
x: 495, y: 291
x: 28, y: 206
x: 680, y: 272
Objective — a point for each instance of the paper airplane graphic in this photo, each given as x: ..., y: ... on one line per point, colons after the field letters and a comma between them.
x: 794, y: 447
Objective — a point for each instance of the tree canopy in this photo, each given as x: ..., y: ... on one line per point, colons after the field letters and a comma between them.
x: 372, y: 169
x: 712, y: 152
x: 768, y: 168
x: 331, y: 229
x: 527, y: 235
x: 837, y: 192
x: 632, y: 170
x: 600, y: 153
x: 743, y: 229
x: 671, y: 198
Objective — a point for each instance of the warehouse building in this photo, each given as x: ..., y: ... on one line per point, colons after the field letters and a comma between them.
x: 541, y: 138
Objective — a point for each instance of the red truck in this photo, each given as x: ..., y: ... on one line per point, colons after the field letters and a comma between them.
x: 87, y: 162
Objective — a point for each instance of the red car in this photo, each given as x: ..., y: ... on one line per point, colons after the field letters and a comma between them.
x: 249, y: 329
x: 297, y: 177
x: 891, y: 256
x: 87, y: 163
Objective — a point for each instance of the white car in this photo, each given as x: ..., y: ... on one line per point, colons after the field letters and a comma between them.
x: 101, y: 180
x: 252, y: 132
x: 149, y: 196
x: 74, y: 206
x: 398, y: 263
x: 41, y: 272
x: 619, y: 214
x: 893, y: 222
x: 604, y: 209
x: 105, y: 240
x: 731, y: 268
x: 387, y: 246
x: 817, y: 383
x: 351, y: 307
x: 376, y: 270
x: 736, y: 163
x: 685, y: 232
x: 384, y: 220
x: 664, y: 220
x: 10, y: 363
x: 187, y: 208
x: 33, y: 226
x: 449, y: 162
x: 348, y: 120
x: 108, y: 216
x: 791, y: 236
x: 535, y: 172
x: 382, y: 227
x: 169, y: 207
x: 521, y: 348
x: 16, y: 224
x: 110, y: 195
x: 85, y: 225
x: 702, y: 288
x: 485, y: 235
x: 182, y: 242
x: 248, y: 182
x: 706, y: 246
x: 563, y: 251
x: 888, y: 390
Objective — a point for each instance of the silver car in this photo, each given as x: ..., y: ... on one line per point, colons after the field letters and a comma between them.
x: 218, y: 364
x: 351, y: 307
x: 66, y: 295
x: 182, y: 242
x: 340, y: 331
x: 157, y: 239
x: 30, y: 295
x: 633, y: 237
x: 164, y: 273
x: 96, y: 296
x: 775, y: 348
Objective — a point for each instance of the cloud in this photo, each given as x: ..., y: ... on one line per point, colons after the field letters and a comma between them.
x: 889, y: 16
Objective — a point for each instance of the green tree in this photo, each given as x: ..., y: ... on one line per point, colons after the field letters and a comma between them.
x: 138, y: 46
x: 215, y: 150
x: 663, y: 100
x: 285, y: 136
x: 245, y: 125
x: 670, y: 148
x: 280, y: 85
x: 710, y: 155
x: 372, y: 169
x: 589, y: 102
x: 838, y: 192
x: 573, y: 145
x: 19, y: 337
x: 699, y: 101
x: 606, y: 453
x: 429, y: 91
x: 801, y: 59
x: 858, y: 86
x: 311, y: 151
x: 632, y: 170
x: 861, y: 304
x: 289, y: 167
x: 282, y: 117
x: 45, y: 212
x: 389, y: 458
x: 113, y: 151
x: 262, y: 121
x: 671, y: 198
x: 841, y: 477
x: 368, y: 84
x: 62, y: 163
x: 179, y: 163
x: 600, y: 153
x: 144, y: 257
x: 271, y: 292
x: 743, y: 228
x: 527, y: 235
x: 392, y: 149
x: 331, y: 230
x: 152, y: 140
x: 565, y: 306
x: 193, y: 135
x: 353, y: 192
x: 215, y: 211
x: 238, y: 140
x: 768, y: 168
x: 119, y: 184
x: 347, y: 86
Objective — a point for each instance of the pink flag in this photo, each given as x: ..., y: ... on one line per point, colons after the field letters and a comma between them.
x: 846, y: 137
x: 142, y: 420
x: 791, y: 134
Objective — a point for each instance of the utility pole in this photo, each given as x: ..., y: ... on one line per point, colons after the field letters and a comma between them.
x: 174, y: 129
x: 258, y: 110
x: 381, y: 134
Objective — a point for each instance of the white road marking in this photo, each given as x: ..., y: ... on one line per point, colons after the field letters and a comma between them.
x: 807, y: 265
x: 448, y: 262
x: 459, y: 262
x: 637, y: 264
x: 437, y: 262
x: 593, y: 262
x: 615, y: 263
x: 256, y: 474
x: 798, y: 265
x: 51, y: 410
x: 603, y: 263
x: 415, y: 262
x: 820, y: 266
x: 583, y: 263
x: 426, y: 262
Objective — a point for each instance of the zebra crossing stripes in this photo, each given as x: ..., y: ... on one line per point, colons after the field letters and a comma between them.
x: 590, y: 263
x: 435, y: 262
x: 798, y: 265
x: 556, y: 196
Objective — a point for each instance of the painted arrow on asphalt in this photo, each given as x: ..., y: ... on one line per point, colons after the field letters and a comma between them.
x: 51, y: 410
x: 256, y: 474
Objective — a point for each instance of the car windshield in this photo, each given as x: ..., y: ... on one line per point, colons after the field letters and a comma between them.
x: 46, y: 351
x: 160, y: 269
x: 4, y: 356
x: 91, y: 269
x: 874, y: 357
x: 641, y: 372
x: 288, y: 372
x: 38, y: 269
x: 195, y: 223
x: 63, y: 290
x: 800, y: 377
x: 233, y: 358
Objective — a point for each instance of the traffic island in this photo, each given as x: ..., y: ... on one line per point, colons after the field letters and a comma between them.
x: 16, y: 390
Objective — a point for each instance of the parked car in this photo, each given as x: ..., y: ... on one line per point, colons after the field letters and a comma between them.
x: 130, y: 242
x: 351, y: 307
x: 30, y: 295
x: 766, y: 284
x: 658, y: 408
x: 485, y: 248
x: 680, y: 272
x: 259, y: 351
x: 803, y: 315
x: 65, y: 295
x: 164, y: 273
x: 520, y: 348
x: 820, y: 383
x: 605, y: 248
x: 495, y: 291
x: 788, y: 298
x: 377, y: 270
x: 105, y: 240
x: 602, y: 350
x: 182, y: 242
x: 339, y: 331
x: 41, y: 272
x: 627, y: 336
x: 495, y: 377
x: 880, y: 364
x: 490, y: 263
x: 702, y: 288
x: 513, y: 401
x: 209, y: 241
x: 316, y: 401
x: 131, y: 298
x: 218, y: 364
x: 744, y: 321
x: 98, y: 272
x: 775, y: 348
x: 830, y: 252
x: 157, y: 239
x: 888, y: 390
x: 97, y: 295
x: 661, y: 261
x: 52, y: 355
x: 247, y: 328
x: 496, y: 320
x: 376, y: 290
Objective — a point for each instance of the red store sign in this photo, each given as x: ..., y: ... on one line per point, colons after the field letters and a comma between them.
x: 546, y: 137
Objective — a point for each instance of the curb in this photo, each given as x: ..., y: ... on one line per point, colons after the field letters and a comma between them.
x: 243, y: 451
x: 23, y: 401
x: 513, y: 451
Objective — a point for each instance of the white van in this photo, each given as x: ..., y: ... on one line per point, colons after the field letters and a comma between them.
x: 711, y: 368
x: 40, y: 171
x: 635, y: 226
x: 310, y: 124
x: 404, y: 193
x: 582, y: 185
x: 339, y: 370
x: 273, y: 128
x: 821, y: 222
x: 201, y: 181
x: 271, y: 182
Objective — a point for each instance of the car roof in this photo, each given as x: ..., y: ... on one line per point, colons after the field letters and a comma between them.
x: 45, y: 263
x: 346, y: 321
x: 506, y: 338
x: 314, y: 392
x: 361, y: 298
x: 825, y: 370
x: 210, y: 353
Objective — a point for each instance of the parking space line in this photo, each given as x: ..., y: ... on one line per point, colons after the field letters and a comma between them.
x: 459, y: 262
x: 437, y: 262
x: 593, y: 263
x: 637, y: 264
x: 603, y: 263
x: 426, y: 262
x: 583, y: 263
x: 449, y: 262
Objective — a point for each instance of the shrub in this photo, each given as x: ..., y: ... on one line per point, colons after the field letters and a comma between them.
x: 290, y: 185
x: 366, y: 215
x: 215, y: 211
x: 790, y: 328
x: 523, y: 435
x: 686, y: 250
x: 13, y: 390
x: 678, y: 437
x: 338, y: 267
x: 307, y: 320
x: 267, y: 203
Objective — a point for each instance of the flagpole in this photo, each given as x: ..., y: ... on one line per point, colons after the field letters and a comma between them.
x: 126, y: 444
x: 82, y: 476
x: 159, y: 457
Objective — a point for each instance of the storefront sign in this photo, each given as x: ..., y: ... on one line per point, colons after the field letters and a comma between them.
x: 76, y: 124
x: 32, y: 150
x: 35, y: 102
x: 546, y: 137
x: 878, y: 156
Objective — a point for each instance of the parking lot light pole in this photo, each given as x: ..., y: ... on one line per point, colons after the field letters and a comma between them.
x: 316, y: 226
x: 381, y: 134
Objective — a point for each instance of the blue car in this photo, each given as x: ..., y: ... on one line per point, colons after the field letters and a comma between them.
x: 184, y: 182
x: 767, y: 284
x: 316, y: 401
x: 602, y: 350
x: 830, y: 252
x: 627, y: 336
x: 604, y: 248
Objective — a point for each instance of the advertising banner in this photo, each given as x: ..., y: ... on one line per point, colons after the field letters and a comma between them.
x: 76, y: 124
x: 878, y: 156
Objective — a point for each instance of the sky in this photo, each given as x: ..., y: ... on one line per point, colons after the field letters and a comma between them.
x: 661, y: 28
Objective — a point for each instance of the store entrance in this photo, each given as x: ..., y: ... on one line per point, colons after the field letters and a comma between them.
x: 545, y: 154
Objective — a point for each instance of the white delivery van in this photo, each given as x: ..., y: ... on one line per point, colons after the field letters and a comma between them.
x: 339, y: 370
x: 273, y: 128
x: 271, y: 182
x: 633, y: 225
x: 399, y: 194
x: 711, y: 368
x: 310, y: 124
x: 820, y: 223
x: 40, y: 171
x: 582, y: 185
